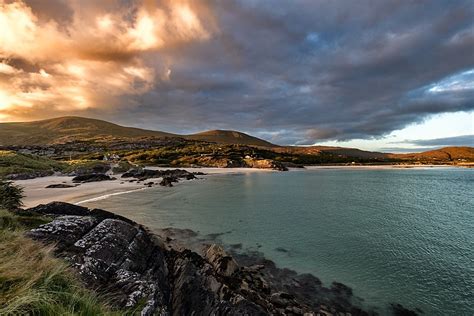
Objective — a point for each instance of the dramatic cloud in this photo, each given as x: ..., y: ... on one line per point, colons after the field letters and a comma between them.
x: 292, y: 72
x: 91, y: 59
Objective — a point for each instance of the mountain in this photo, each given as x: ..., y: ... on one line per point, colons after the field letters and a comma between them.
x: 71, y: 128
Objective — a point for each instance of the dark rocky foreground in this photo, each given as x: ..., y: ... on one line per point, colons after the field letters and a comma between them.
x: 143, y: 270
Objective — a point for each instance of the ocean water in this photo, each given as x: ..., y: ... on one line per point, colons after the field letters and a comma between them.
x: 394, y: 235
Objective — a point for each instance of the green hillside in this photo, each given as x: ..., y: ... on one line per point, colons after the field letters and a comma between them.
x: 17, y: 163
x: 66, y: 129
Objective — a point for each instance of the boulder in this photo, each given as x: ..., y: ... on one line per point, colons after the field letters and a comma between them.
x: 94, y: 177
x: 223, y: 263
x: 168, y: 181
x: 60, y: 186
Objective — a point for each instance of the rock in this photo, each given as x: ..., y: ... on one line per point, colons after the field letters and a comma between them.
x: 97, y: 168
x: 144, y: 174
x: 282, y: 299
x: 197, y: 290
x: 113, y: 255
x: 59, y: 208
x: 341, y: 289
x: 190, y: 176
x: 223, y: 263
x: 94, y: 177
x: 168, y: 181
x: 265, y: 164
x: 400, y: 310
x: 60, y: 186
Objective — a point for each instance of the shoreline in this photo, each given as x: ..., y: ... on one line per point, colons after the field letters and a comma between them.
x: 36, y: 192
x: 382, y: 167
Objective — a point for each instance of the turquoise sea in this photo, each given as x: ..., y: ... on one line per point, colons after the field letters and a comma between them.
x: 393, y: 235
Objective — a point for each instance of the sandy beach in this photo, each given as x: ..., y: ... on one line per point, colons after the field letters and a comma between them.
x: 36, y: 192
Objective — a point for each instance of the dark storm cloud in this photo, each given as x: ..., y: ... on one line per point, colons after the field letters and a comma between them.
x: 299, y: 72
x: 313, y: 70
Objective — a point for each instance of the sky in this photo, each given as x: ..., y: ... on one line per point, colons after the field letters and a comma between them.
x: 378, y: 75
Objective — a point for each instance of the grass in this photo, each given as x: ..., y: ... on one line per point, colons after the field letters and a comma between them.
x: 84, y: 166
x: 33, y: 281
x: 17, y: 163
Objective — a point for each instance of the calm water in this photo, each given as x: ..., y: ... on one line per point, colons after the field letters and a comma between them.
x: 403, y: 236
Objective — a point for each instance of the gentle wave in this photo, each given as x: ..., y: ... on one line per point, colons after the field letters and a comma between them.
x: 106, y: 196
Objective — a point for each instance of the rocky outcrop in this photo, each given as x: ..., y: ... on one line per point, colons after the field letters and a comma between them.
x: 98, y: 167
x: 94, y: 177
x: 168, y: 176
x: 265, y: 164
x: 141, y: 270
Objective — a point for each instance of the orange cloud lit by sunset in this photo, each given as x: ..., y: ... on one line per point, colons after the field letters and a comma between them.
x: 93, y: 59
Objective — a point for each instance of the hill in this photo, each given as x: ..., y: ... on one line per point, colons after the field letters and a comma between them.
x: 337, y: 151
x: 67, y: 129
x: 229, y: 137
x: 442, y: 154
x: 70, y: 128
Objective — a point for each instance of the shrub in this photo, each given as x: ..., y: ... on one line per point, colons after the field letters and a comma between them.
x: 10, y: 195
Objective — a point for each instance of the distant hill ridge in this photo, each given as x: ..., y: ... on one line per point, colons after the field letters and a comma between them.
x: 70, y: 128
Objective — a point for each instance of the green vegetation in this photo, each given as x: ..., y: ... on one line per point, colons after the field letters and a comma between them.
x: 121, y: 167
x: 10, y: 195
x: 23, y: 164
x: 213, y: 155
x: 84, y: 166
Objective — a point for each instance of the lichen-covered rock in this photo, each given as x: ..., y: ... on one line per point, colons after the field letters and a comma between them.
x: 110, y: 253
x: 64, y: 230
